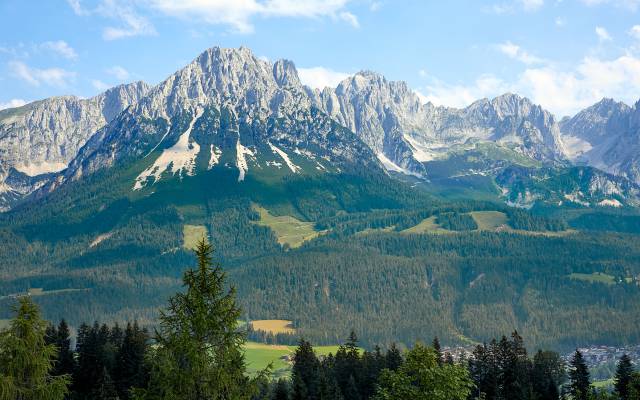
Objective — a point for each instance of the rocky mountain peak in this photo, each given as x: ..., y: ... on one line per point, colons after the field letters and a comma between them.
x: 285, y: 73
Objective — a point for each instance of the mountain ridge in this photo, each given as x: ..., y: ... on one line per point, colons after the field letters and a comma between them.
x: 387, y: 116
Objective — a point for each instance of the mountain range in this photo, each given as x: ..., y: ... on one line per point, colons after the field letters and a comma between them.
x: 355, y: 207
x: 49, y: 141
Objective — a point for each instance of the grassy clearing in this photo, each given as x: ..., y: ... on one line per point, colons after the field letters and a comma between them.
x: 192, y: 235
x: 596, y: 277
x: 35, y: 292
x: 494, y: 221
x: 428, y: 225
x: 274, y: 326
x: 288, y: 230
x: 490, y: 220
x: 258, y: 356
x: 603, y: 384
x: 4, y: 323
x: 369, y: 231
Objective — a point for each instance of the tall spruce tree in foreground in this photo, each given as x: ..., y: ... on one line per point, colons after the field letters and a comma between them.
x: 199, y: 348
x: 580, y: 383
x: 623, y: 377
x: 26, y: 361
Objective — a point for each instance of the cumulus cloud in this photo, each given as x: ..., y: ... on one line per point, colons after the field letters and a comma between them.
x: 562, y: 91
x: 628, y: 4
x: 321, y: 77
x: 12, y: 104
x: 635, y: 32
x: 98, y: 84
x: 130, y: 23
x: 603, y: 34
x: 460, y: 95
x: 118, y: 72
x: 531, y: 5
x: 516, y: 5
x: 61, y: 48
x: 239, y: 14
x: 50, y: 76
x: 517, y: 53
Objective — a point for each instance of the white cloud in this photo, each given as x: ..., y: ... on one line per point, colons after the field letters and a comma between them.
x: 629, y: 4
x: 12, y: 104
x: 321, y: 77
x: 98, y: 84
x: 515, y: 5
x: 459, y: 95
x: 603, y: 34
x: 77, y: 7
x: 62, y: 48
x: 239, y: 13
x: 350, y: 19
x: 131, y: 24
x: 531, y: 5
x: 560, y: 22
x: 118, y: 72
x: 35, y: 77
x: 635, y: 32
x: 423, y: 73
x: 517, y: 53
x: 375, y: 6
x: 563, y: 92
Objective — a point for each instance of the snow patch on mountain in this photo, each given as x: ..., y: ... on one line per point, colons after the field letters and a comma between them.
x: 421, y: 152
x: 39, y: 168
x: 610, y: 203
x: 241, y: 159
x: 178, y: 158
x: 214, y: 158
x: 391, y: 166
x: 294, y: 168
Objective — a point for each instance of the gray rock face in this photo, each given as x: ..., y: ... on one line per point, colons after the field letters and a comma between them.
x: 508, y: 119
x: 390, y: 118
x: 234, y: 81
x: 606, y: 136
x: 44, y: 136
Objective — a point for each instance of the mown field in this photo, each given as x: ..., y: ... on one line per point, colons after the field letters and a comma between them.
x: 289, y: 230
x: 258, y: 357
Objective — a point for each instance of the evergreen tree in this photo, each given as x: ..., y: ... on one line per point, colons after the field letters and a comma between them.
x: 623, y: 377
x: 93, y: 359
x: 130, y: 370
x: 515, y: 369
x: 281, y: 390
x: 393, y: 358
x: 436, y: 346
x: 104, y: 388
x: 634, y: 386
x: 305, y: 374
x: 26, y: 361
x: 199, y: 354
x: 580, y: 383
x: 65, y: 363
x: 547, y: 375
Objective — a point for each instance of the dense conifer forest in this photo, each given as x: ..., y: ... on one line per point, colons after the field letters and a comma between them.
x: 195, y: 353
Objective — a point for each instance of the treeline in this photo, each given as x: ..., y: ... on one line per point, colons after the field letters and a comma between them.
x: 526, y: 221
x: 457, y: 222
x: 108, y: 362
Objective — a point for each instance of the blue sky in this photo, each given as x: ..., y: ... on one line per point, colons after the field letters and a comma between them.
x: 563, y: 54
